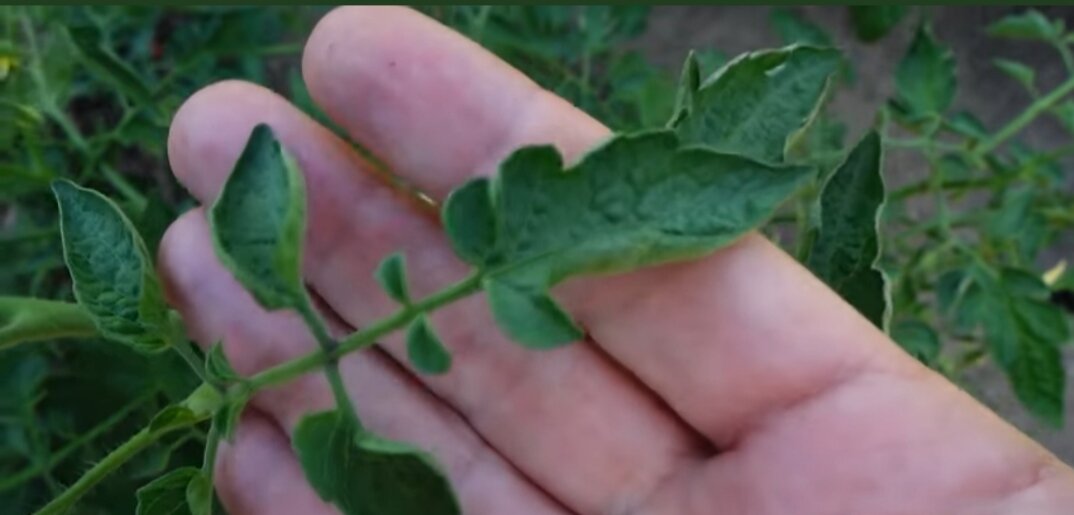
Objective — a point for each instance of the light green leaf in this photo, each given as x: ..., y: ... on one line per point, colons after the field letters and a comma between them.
x: 925, y: 78
x: 111, y: 269
x: 199, y: 495
x: 391, y: 274
x: 470, y: 222
x: 24, y: 319
x: 918, y: 339
x: 217, y: 366
x: 167, y: 495
x: 1019, y: 72
x: 362, y: 474
x: 529, y: 316
x: 847, y: 246
x: 758, y: 102
x: 873, y: 22
x: 258, y: 223
x: 793, y: 28
x: 1031, y: 24
x: 424, y: 348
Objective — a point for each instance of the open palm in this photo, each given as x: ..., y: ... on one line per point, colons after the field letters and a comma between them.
x: 736, y: 384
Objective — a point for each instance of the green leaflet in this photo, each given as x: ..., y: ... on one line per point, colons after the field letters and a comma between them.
x: 470, y: 223
x: 391, y: 274
x: 1030, y: 24
x: 760, y: 100
x: 794, y: 28
x: 1019, y: 72
x: 258, y: 223
x: 424, y: 348
x: 925, y: 78
x: 918, y: 339
x: 24, y: 319
x: 179, y: 492
x: 111, y: 269
x: 529, y: 316
x: 217, y: 366
x: 873, y: 22
x: 362, y: 474
x: 847, y: 245
x: 637, y: 200
x: 1024, y: 332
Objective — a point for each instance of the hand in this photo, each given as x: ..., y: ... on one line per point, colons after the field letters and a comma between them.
x: 735, y: 384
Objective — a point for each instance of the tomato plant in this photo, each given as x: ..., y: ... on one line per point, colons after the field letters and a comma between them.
x: 736, y: 145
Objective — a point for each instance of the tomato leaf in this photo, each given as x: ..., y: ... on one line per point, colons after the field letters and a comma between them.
x: 847, y: 245
x: 391, y: 274
x: 1031, y: 24
x: 1019, y: 72
x: 759, y: 101
x: 362, y: 474
x: 872, y: 22
x: 425, y: 349
x: 182, y: 491
x: 258, y: 223
x: 470, y: 222
x: 925, y: 77
x: 111, y: 269
x: 918, y: 339
x: 529, y: 316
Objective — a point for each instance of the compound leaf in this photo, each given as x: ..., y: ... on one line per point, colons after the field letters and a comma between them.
x: 391, y: 274
x: 362, y: 474
x: 873, y: 22
x: 847, y: 245
x: 425, y: 349
x: 24, y: 319
x: 760, y: 100
x: 111, y: 269
x: 258, y: 222
x: 925, y: 78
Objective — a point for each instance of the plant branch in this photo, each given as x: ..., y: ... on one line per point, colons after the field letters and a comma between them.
x: 1031, y: 113
x: 366, y: 337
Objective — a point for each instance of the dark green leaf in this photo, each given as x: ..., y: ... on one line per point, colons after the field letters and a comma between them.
x: 529, y: 316
x: 108, y: 67
x: 755, y: 104
x: 1023, y: 335
x: 424, y: 348
x: 918, y: 339
x: 1030, y: 24
x: 24, y: 319
x: 111, y: 269
x: 258, y: 223
x: 794, y: 28
x: 217, y: 366
x: 362, y: 474
x: 391, y: 274
x: 1019, y: 72
x: 470, y: 222
x: 925, y: 78
x: 167, y: 495
x: 847, y: 245
x: 873, y: 22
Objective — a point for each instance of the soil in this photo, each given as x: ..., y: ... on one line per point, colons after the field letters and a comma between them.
x: 992, y: 96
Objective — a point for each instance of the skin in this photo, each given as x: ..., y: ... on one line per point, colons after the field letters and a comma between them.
x: 734, y: 384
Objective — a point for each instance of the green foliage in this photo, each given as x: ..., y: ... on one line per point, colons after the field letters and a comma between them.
x: 179, y: 492
x: 925, y: 78
x: 1019, y: 72
x: 872, y: 22
x: 1031, y: 24
x: 847, y: 245
x: 391, y: 274
x: 363, y: 474
x: 259, y: 221
x: 754, y: 104
x: 111, y: 270
x: 26, y: 320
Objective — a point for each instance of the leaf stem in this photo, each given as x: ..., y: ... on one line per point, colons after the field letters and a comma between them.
x: 366, y: 337
x: 1031, y: 113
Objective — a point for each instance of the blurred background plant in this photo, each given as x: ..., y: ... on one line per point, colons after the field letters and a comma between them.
x: 969, y: 234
